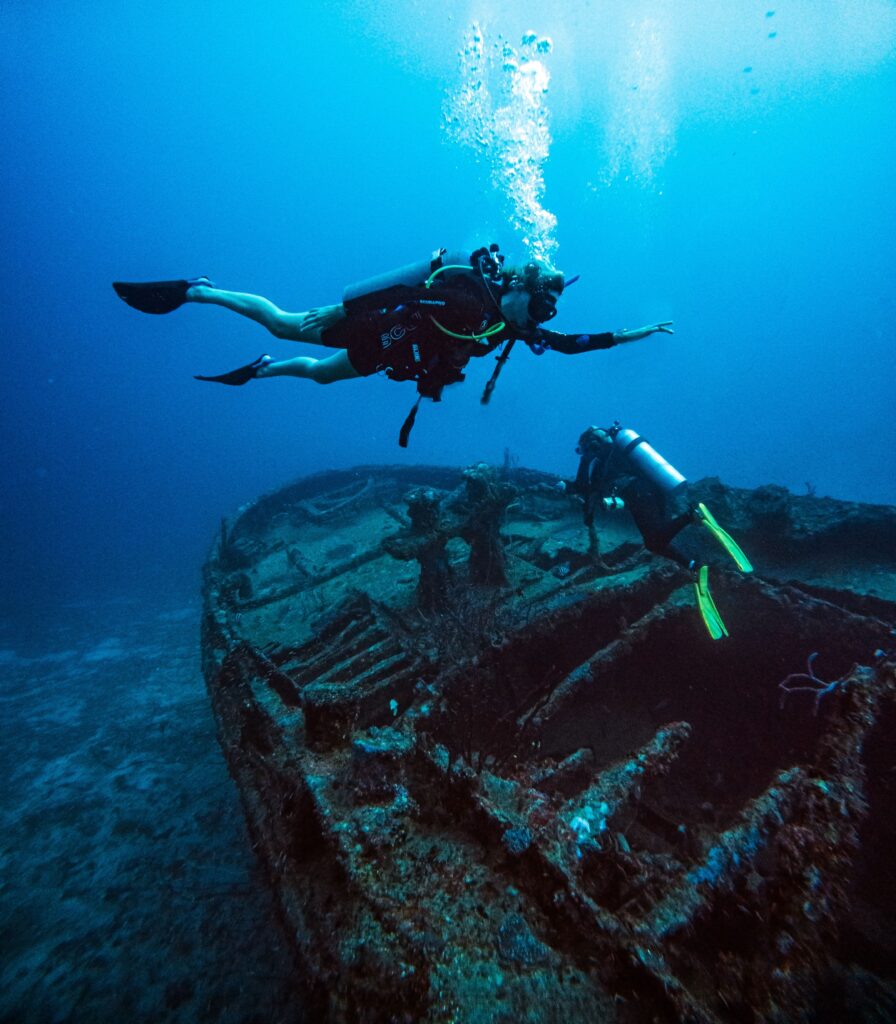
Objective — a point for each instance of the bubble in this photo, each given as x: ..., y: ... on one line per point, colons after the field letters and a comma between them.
x: 498, y: 108
x: 640, y: 130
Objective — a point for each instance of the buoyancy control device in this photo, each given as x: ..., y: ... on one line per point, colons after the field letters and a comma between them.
x: 386, y: 290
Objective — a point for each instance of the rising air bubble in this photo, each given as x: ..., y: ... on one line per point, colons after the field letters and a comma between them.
x: 640, y: 131
x: 499, y: 109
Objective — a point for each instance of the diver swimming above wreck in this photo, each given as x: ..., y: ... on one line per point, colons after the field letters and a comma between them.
x: 422, y: 322
x: 619, y: 469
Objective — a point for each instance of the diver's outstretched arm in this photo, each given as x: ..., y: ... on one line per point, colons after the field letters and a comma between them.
x: 291, y: 326
x: 572, y: 344
x: 321, y: 371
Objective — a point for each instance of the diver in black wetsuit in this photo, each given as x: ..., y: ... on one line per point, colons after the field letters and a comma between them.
x: 607, y: 479
x: 423, y: 322
x: 619, y: 469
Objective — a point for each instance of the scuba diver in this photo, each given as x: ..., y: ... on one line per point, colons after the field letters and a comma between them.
x: 619, y: 469
x: 422, y: 322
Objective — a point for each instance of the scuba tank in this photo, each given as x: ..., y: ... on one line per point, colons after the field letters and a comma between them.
x: 645, y: 459
x: 374, y: 291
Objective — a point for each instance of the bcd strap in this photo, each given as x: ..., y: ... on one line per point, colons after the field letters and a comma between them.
x: 408, y: 424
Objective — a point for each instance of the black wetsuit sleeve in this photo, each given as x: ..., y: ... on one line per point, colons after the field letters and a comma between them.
x: 573, y: 344
x: 583, y: 476
x: 594, y: 479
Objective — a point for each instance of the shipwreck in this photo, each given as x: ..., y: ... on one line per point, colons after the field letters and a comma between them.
x: 493, y: 778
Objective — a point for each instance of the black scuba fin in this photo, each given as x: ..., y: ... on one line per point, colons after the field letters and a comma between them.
x: 241, y: 375
x: 156, y: 296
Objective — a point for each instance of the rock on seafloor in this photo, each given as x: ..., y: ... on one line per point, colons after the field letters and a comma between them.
x: 493, y: 777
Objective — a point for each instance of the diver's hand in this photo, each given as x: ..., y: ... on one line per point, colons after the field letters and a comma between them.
x: 665, y: 327
x: 322, y: 317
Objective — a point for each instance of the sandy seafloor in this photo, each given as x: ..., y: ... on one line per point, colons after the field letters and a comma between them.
x: 129, y: 887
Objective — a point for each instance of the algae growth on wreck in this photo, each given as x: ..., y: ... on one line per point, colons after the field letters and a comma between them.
x: 492, y: 777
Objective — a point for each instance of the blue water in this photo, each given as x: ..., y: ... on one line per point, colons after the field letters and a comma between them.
x: 729, y: 167
x: 294, y: 151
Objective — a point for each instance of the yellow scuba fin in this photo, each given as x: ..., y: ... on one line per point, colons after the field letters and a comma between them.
x: 711, y: 618
x: 724, y: 538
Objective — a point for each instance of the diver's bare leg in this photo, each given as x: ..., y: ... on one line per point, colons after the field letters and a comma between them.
x: 292, y: 326
x: 321, y: 371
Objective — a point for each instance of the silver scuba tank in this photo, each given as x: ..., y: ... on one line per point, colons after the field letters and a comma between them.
x: 647, y: 460
x: 362, y: 294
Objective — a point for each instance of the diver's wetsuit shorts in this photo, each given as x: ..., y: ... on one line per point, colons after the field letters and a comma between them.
x: 397, y: 342
x: 351, y: 334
